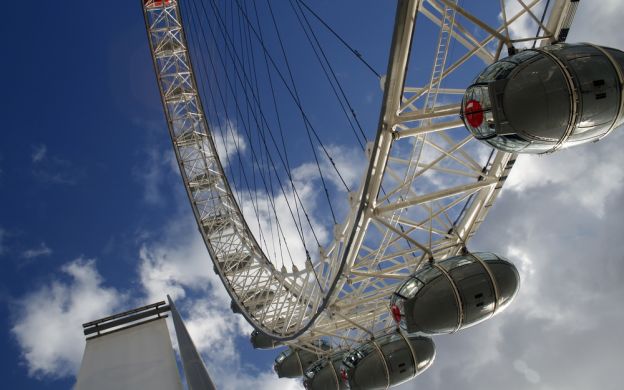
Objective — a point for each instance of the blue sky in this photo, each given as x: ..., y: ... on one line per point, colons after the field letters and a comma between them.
x: 94, y: 217
x: 89, y: 188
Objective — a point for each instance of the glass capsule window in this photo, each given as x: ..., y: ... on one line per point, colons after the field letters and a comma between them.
x: 538, y: 147
x: 366, y: 349
x: 322, y: 344
x: 497, y: 71
x: 410, y: 288
x: 389, y: 338
x: 315, y: 368
x: 282, y: 356
x: 488, y: 256
x: 427, y: 274
x: 360, y: 353
x: 511, y: 143
x: 353, y: 358
x: 456, y: 261
x: 522, y: 56
x: 556, y: 47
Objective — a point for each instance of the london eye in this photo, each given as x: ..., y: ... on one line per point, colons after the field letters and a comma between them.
x: 355, y: 286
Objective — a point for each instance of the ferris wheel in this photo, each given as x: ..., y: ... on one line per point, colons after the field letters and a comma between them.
x: 444, y: 145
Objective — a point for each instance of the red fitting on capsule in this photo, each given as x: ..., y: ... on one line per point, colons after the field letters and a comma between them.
x: 396, y: 313
x: 343, y: 375
x: 474, y: 113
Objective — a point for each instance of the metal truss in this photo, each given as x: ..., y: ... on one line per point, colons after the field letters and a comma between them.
x: 428, y: 185
x: 278, y: 303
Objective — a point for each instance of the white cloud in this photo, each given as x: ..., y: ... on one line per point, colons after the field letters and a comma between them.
x: 48, y: 321
x: 566, y: 315
x: 264, y: 226
x: 228, y: 142
x: 39, y: 153
x: 525, y: 26
x: 549, y: 311
x: 41, y: 250
x: 158, y: 163
x: 266, y: 380
x: 350, y: 162
x: 179, y: 265
x: 530, y: 375
x: 214, y: 328
x: 260, y: 209
x: 53, y: 169
x: 179, y: 262
x: 595, y: 24
x: 558, y: 220
x: 584, y: 176
x: 598, y: 24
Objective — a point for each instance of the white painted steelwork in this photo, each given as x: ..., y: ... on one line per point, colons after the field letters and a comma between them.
x: 427, y: 188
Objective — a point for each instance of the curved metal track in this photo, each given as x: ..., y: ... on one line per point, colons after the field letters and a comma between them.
x: 281, y: 304
x: 427, y: 188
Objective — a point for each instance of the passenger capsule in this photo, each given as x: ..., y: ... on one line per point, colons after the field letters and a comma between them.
x: 254, y: 301
x: 455, y: 293
x: 324, y: 374
x: 541, y: 100
x: 292, y: 362
x: 234, y: 263
x: 262, y: 341
x: 387, y: 361
x: 235, y: 308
